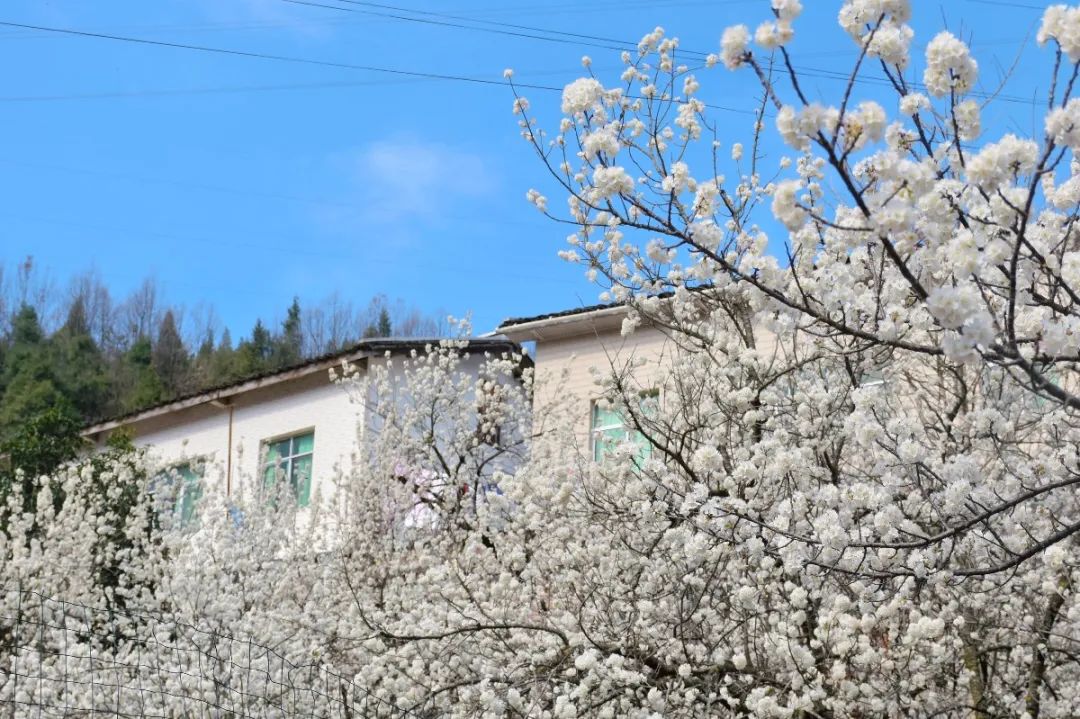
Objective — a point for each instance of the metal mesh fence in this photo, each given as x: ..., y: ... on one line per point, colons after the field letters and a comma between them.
x: 64, y: 659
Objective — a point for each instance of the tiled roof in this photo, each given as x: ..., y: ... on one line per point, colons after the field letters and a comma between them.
x: 379, y: 345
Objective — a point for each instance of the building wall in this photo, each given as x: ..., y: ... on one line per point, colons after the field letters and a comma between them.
x: 307, y: 403
x: 565, y: 364
x: 310, y: 402
x: 567, y: 354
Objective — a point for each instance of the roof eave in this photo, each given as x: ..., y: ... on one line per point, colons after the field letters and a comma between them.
x: 564, y: 325
x: 224, y: 394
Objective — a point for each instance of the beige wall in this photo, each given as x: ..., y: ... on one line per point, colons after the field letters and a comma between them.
x: 565, y: 364
x: 569, y: 348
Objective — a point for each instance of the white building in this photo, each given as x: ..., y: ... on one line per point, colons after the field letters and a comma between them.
x: 294, y: 423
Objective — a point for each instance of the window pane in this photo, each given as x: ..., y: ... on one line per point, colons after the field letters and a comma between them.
x: 270, y: 475
x: 290, y: 458
x: 605, y: 417
x: 276, y: 451
x: 191, y: 492
x: 605, y: 442
x: 304, y: 444
x: 300, y: 479
x: 644, y: 448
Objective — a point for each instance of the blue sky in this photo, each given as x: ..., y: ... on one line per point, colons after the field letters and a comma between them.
x: 242, y: 181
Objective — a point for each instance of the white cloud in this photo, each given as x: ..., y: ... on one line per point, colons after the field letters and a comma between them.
x: 407, y: 181
x: 414, y: 177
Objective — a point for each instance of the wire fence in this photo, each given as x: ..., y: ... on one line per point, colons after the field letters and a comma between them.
x: 65, y: 659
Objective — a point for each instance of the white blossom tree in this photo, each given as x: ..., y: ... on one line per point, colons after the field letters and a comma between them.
x: 860, y: 494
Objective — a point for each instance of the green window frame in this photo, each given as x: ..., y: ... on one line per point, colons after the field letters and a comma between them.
x: 609, y: 428
x: 291, y: 458
x: 872, y: 378
x: 184, y: 485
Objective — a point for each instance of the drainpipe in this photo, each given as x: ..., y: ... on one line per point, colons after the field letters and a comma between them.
x: 227, y: 404
x: 228, y: 456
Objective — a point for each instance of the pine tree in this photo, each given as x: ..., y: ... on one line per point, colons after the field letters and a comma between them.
x: 170, y: 357
x: 30, y: 383
x: 202, y: 362
x: 143, y: 385
x: 79, y: 365
x: 254, y: 355
x: 223, y: 363
x: 288, y: 347
x: 385, y: 328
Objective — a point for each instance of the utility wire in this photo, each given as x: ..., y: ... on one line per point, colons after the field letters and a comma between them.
x: 225, y: 89
x: 229, y: 89
x: 599, y: 41
x: 444, y: 23
x: 1009, y: 4
x: 306, y: 61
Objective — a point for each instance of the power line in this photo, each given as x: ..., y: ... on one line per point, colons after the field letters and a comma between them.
x: 228, y: 89
x: 443, y: 23
x: 560, y: 36
x: 259, y: 55
x: 620, y: 44
x: 305, y: 61
x: 1009, y: 4
x: 121, y: 94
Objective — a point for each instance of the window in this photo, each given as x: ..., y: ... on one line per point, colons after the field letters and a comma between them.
x: 179, y: 489
x: 872, y: 378
x: 610, y: 429
x: 290, y: 459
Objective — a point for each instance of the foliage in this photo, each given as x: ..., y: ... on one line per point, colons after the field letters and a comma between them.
x: 102, y: 361
x: 39, y: 447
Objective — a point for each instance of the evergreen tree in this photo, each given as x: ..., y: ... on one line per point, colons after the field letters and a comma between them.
x: 170, y: 357
x: 144, y: 386
x: 79, y: 364
x: 202, y: 363
x: 254, y: 355
x: 288, y: 347
x: 31, y: 386
x: 381, y: 327
x: 223, y: 363
x: 385, y: 328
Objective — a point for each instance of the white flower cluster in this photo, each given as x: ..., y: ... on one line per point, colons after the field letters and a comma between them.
x: 1063, y: 125
x: 914, y: 102
x: 610, y: 181
x: 771, y: 34
x: 603, y: 140
x: 733, y: 46
x: 1061, y: 23
x: 997, y: 163
x: 968, y: 120
x: 863, y: 125
x: 582, y: 95
x: 949, y: 66
x: 889, y: 39
x: 798, y: 127
x: 785, y: 204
